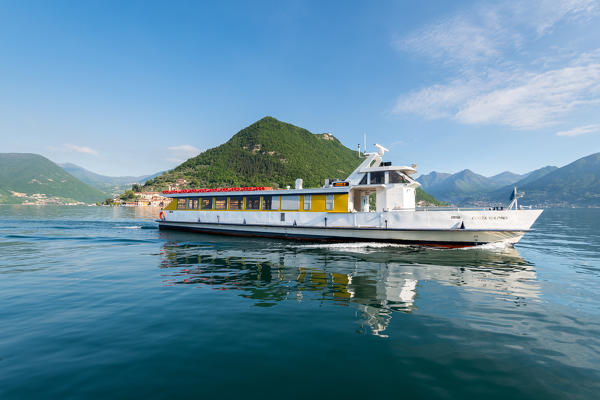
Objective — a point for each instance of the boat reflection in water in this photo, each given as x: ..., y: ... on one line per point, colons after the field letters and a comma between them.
x: 377, y: 279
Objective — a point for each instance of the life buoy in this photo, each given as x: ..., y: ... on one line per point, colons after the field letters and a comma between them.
x: 162, y: 216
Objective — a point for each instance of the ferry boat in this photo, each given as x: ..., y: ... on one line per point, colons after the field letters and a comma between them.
x: 341, y: 211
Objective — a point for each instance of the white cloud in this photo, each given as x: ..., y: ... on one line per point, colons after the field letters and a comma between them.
x: 439, y: 100
x: 487, y: 31
x: 539, y: 100
x: 79, y: 149
x: 580, y: 130
x: 495, y: 80
x: 550, y: 12
x: 518, y: 99
x: 181, y: 153
x: 454, y: 40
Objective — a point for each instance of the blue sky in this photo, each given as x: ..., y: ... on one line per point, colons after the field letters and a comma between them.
x: 129, y: 88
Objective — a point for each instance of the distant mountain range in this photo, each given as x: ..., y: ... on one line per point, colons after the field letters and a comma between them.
x: 267, y: 153
x: 576, y: 184
x: 111, y: 185
x: 31, y: 178
x: 273, y: 153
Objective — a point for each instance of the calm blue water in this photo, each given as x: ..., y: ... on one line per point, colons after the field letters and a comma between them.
x: 98, y: 303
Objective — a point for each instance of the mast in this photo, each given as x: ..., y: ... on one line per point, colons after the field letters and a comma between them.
x: 355, y: 176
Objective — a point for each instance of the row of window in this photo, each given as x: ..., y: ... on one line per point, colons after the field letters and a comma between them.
x: 378, y: 178
x: 287, y: 202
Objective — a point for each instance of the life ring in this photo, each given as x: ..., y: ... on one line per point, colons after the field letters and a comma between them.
x: 162, y: 216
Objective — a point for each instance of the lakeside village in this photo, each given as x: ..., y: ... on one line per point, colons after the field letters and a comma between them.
x: 42, y: 199
x: 140, y: 199
x: 135, y: 197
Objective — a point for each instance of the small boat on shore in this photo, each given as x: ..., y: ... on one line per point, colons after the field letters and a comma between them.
x: 341, y: 210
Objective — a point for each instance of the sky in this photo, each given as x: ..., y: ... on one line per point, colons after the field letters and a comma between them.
x: 136, y: 87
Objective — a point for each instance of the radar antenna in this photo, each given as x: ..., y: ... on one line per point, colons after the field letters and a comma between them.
x: 381, y: 149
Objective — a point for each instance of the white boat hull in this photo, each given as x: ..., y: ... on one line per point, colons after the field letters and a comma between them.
x: 435, y: 228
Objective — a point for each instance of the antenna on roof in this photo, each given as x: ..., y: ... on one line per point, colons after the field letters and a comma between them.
x: 514, y: 197
x: 365, y: 140
x: 359, y: 150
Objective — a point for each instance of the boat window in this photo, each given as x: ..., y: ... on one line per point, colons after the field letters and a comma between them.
x: 252, y: 202
x: 363, y: 181
x: 329, y: 202
x: 377, y: 177
x: 235, y: 202
x: 290, y: 202
x: 396, y: 177
x: 221, y: 203
x: 307, y: 202
x: 194, y: 203
x: 206, y: 203
x: 267, y: 200
x: 270, y: 202
x: 181, y: 203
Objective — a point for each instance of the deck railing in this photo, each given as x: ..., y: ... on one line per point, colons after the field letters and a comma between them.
x: 461, y: 208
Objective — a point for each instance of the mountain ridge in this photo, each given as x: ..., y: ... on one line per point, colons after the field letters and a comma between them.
x: 575, y: 184
x: 456, y: 187
x: 501, y: 195
x: 111, y: 185
x: 578, y: 180
x: 29, y: 177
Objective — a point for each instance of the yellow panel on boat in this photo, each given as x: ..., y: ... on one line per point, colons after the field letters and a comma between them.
x: 317, y: 203
x: 172, y: 205
x: 340, y: 203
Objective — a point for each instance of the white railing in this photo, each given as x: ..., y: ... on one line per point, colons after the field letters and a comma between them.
x: 501, y: 208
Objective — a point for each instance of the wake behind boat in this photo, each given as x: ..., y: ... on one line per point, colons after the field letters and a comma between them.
x: 341, y: 211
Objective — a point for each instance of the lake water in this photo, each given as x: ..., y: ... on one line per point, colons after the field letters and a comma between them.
x: 98, y: 303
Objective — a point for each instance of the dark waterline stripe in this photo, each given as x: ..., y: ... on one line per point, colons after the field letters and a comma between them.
x: 160, y: 223
x: 314, y: 238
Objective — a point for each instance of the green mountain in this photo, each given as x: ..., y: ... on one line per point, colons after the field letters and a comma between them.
x: 506, y: 178
x: 33, y: 178
x: 266, y: 153
x: 576, y: 184
x: 433, y: 178
x: 455, y: 188
x: 502, y: 195
x: 111, y: 185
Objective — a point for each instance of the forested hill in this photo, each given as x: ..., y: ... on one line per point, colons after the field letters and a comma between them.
x: 28, y: 177
x: 266, y: 153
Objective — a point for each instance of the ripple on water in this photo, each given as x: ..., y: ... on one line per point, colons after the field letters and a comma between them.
x: 91, y: 294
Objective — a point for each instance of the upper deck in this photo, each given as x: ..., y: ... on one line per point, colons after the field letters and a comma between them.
x: 373, y: 181
x: 251, y: 191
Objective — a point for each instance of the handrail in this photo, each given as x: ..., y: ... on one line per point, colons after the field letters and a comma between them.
x: 501, y: 208
x: 227, y: 189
